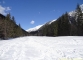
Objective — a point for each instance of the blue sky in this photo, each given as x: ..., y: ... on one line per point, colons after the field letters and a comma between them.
x: 30, y: 13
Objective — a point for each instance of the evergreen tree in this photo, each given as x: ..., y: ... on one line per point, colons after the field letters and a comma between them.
x: 79, y: 20
x: 2, y: 28
x: 13, y: 19
x: 20, y: 30
x: 63, y: 25
x: 55, y: 28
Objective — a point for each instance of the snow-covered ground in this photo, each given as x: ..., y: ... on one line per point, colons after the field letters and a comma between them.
x: 42, y: 48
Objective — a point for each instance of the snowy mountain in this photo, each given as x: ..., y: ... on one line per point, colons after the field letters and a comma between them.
x: 39, y: 26
x: 34, y: 28
x: 81, y: 7
x: 72, y: 13
x: 42, y: 48
x: 52, y: 21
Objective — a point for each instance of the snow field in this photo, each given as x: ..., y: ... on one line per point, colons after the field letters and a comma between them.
x: 42, y: 48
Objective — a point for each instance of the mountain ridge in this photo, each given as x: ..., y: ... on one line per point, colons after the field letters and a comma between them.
x: 71, y: 13
x: 39, y: 26
x: 68, y: 24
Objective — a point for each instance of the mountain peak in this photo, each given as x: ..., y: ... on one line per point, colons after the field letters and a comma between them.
x: 72, y: 13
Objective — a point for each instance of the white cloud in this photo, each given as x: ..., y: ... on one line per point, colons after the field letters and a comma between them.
x: 4, y: 10
x: 32, y: 22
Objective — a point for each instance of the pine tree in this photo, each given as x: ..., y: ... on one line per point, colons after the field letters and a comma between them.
x: 63, y: 25
x: 79, y: 20
x: 20, y: 30
x: 55, y: 28
x: 13, y: 19
x: 2, y: 28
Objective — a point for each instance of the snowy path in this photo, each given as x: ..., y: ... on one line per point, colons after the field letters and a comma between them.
x: 42, y: 48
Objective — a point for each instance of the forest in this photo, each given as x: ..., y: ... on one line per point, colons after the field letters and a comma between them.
x: 9, y: 28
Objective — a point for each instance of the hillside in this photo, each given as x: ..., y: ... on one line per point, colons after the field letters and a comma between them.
x: 42, y: 48
x: 9, y: 28
x: 69, y: 24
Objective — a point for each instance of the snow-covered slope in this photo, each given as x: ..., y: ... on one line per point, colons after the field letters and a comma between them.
x: 39, y: 26
x: 34, y: 28
x: 52, y: 21
x: 42, y: 48
x: 72, y: 13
